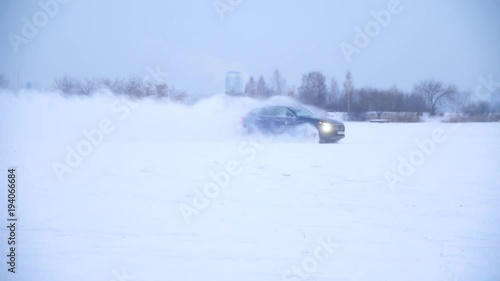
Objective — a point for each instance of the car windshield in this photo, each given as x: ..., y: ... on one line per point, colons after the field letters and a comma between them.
x: 301, y: 112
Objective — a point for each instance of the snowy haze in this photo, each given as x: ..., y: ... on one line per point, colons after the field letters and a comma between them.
x: 137, y: 204
x: 117, y: 189
x: 51, y: 118
x: 452, y: 41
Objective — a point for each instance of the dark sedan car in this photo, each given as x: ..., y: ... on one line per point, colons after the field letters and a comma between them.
x: 293, y: 120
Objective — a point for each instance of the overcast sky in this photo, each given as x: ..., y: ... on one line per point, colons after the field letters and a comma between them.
x: 453, y: 41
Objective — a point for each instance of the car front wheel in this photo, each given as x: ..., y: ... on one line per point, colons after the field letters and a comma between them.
x: 308, y: 133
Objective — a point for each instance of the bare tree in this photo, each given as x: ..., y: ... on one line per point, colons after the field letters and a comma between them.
x: 161, y: 90
x: 149, y: 88
x: 434, y: 92
x: 478, y: 111
x: 104, y: 83
x: 396, y: 99
x: 67, y: 85
x: 460, y: 101
x: 278, y: 83
x: 87, y: 87
x: 118, y: 86
x: 495, y: 106
x: 333, y: 95
x: 360, y: 103
x: 291, y: 92
x: 262, y: 88
x: 313, y: 90
x: 378, y: 101
x: 3, y: 82
x: 177, y: 96
x: 251, y: 88
x: 134, y: 88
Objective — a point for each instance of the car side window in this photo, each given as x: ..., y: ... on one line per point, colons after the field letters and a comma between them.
x: 284, y: 112
x: 276, y: 111
x: 268, y: 111
x: 281, y: 111
x: 260, y: 111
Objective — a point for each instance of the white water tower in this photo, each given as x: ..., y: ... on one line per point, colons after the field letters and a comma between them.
x: 234, y: 83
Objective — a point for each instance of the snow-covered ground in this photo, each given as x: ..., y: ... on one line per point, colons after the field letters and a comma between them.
x: 113, y: 190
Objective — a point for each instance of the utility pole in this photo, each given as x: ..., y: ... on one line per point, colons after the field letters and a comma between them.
x: 349, y: 102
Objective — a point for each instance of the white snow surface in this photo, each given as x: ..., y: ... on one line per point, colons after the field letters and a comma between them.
x: 117, y: 215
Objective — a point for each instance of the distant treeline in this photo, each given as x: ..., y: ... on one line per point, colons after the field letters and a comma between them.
x: 132, y: 87
x: 431, y: 96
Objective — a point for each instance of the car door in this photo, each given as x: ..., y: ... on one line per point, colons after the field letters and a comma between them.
x: 281, y: 119
x: 298, y: 119
x: 290, y: 118
x: 264, y: 118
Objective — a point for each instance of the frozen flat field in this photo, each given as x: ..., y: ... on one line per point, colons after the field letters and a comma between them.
x: 166, y: 196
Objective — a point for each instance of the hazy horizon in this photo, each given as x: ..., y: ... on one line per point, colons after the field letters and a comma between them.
x: 451, y: 41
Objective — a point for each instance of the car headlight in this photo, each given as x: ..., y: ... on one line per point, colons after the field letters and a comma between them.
x: 326, y: 127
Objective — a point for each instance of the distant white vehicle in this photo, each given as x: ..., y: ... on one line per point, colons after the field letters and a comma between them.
x: 379, y: 120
